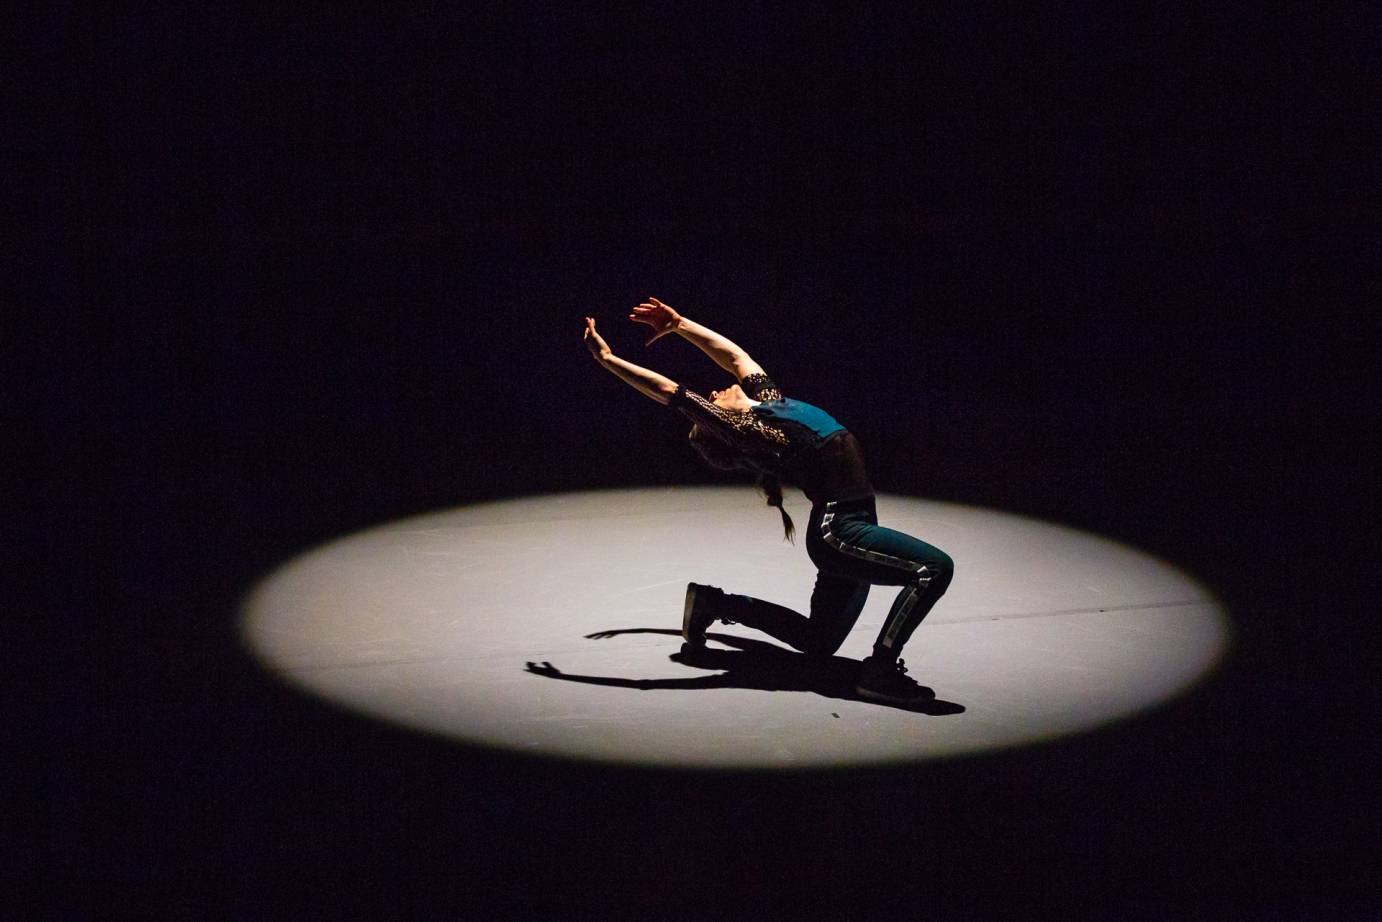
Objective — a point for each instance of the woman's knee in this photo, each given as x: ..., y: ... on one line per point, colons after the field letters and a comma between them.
x: 941, y: 570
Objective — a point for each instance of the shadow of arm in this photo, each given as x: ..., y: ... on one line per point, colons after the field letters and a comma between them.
x: 549, y: 671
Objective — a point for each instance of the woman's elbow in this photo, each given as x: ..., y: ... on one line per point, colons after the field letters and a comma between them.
x: 745, y: 366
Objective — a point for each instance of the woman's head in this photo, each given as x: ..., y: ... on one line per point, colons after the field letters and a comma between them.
x: 732, y: 398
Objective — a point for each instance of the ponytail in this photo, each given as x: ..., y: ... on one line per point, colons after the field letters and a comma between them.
x: 772, y: 489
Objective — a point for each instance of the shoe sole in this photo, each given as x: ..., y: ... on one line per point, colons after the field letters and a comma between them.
x: 686, y: 613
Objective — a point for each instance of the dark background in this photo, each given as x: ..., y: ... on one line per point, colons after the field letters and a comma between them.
x: 305, y: 271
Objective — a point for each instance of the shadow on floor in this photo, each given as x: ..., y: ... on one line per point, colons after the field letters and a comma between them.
x: 752, y: 664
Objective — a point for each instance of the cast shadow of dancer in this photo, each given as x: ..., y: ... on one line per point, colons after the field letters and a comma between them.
x: 753, y: 664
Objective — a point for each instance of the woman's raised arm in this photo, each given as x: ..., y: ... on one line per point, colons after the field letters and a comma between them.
x: 726, y: 354
x: 645, y: 381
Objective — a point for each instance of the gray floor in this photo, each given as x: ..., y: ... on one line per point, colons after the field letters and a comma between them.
x: 548, y: 625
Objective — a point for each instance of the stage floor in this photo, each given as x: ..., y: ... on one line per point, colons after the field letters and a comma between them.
x: 550, y: 625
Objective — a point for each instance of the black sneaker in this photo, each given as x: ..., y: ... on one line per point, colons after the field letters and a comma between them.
x: 696, y: 616
x: 884, y: 680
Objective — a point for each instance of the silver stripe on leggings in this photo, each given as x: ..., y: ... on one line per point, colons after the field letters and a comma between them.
x: 920, y: 577
x: 895, y: 623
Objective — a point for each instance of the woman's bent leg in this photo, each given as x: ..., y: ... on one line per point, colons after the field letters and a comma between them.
x: 777, y: 621
x: 835, y: 606
x: 885, y: 556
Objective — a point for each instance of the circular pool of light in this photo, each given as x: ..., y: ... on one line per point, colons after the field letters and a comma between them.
x: 550, y: 625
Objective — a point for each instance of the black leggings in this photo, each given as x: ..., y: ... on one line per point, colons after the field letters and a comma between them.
x: 853, y: 552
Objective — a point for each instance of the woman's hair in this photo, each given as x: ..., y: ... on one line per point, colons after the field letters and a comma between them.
x: 772, y: 489
x: 723, y: 456
x: 713, y: 450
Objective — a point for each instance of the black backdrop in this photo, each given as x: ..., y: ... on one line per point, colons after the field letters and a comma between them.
x: 321, y: 269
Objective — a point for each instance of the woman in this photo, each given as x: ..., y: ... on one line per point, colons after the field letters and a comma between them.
x: 751, y: 425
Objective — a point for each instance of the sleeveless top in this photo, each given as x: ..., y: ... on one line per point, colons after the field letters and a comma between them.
x: 791, y: 439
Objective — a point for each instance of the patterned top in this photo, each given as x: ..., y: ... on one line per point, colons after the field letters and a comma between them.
x: 760, y: 387
x: 790, y: 439
x: 744, y: 431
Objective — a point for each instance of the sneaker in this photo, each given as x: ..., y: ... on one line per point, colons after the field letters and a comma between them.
x: 882, y: 680
x: 696, y: 616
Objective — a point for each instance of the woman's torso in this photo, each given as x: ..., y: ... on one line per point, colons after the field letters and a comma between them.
x: 828, y: 462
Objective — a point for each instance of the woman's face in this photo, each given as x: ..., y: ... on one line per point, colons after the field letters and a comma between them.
x: 731, y: 398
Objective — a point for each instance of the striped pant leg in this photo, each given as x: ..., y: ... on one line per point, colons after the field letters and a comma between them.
x: 911, y: 607
x: 890, y: 557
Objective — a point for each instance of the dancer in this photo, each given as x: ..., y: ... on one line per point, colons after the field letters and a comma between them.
x: 751, y: 425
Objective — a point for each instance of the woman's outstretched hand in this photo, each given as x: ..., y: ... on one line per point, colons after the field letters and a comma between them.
x: 594, y: 341
x: 657, y: 315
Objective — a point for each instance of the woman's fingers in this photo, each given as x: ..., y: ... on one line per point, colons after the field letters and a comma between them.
x: 656, y: 315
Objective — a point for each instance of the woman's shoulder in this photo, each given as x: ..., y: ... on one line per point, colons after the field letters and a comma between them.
x: 758, y: 386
